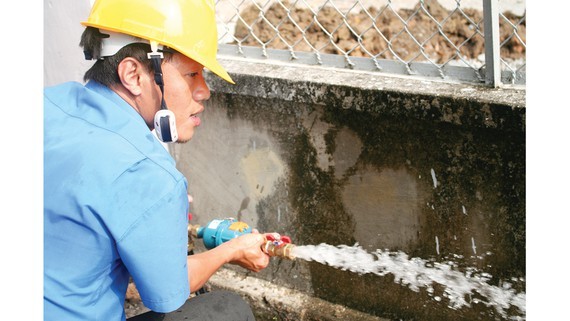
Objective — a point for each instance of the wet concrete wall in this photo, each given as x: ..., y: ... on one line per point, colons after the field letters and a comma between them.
x: 432, y: 169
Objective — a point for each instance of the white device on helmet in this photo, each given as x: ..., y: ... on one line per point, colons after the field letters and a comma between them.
x: 165, y: 126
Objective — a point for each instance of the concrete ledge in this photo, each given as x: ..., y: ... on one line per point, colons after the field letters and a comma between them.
x: 269, y: 300
x: 391, y: 95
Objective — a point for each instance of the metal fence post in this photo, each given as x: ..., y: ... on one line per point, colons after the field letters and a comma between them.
x: 492, y: 43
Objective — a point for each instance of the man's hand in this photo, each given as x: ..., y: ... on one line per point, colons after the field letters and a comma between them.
x: 248, y: 251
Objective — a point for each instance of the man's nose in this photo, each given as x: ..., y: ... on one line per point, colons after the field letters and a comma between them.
x: 201, y: 91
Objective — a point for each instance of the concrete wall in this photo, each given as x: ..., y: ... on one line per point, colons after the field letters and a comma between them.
x: 432, y: 169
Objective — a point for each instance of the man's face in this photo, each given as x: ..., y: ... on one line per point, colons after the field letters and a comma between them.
x: 184, y: 93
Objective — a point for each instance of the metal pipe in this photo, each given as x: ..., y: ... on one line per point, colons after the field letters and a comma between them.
x: 282, y: 250
x: 272, y: 248
x: 492, y: 43
x: 193, y: 230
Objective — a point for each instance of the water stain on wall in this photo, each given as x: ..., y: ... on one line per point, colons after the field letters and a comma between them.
x: 385, y: 207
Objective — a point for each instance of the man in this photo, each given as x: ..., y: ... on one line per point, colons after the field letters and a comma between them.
x: 115, y: 206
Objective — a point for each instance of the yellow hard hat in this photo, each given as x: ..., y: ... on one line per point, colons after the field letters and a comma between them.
x: 187, y: 26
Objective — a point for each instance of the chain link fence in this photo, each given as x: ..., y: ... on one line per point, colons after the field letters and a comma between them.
x: 444, y: 39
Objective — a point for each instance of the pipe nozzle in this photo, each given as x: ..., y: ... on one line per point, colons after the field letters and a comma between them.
x: 283, y: 250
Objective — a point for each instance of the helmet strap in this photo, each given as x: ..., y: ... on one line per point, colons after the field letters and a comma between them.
x: 164, y: 119
x: 156, y: 58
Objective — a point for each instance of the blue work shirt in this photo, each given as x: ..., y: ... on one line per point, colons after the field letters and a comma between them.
x: 114, y: 205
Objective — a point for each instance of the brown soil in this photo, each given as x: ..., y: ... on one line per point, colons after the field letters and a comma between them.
x: 379, y: 27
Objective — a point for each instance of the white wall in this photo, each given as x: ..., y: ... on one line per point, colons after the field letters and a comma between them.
x: 63, y: 58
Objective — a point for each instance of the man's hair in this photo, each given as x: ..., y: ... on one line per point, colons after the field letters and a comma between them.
x: 104, y: 70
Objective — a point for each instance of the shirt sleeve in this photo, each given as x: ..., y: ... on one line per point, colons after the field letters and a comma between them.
x: 154, y: 250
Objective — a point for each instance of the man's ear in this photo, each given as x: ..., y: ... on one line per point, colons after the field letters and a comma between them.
x: 130, y: 73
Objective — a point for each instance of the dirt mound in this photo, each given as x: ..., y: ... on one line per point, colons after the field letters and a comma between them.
x: 381, y: 33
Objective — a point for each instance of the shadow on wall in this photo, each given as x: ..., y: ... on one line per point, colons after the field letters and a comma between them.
x: 321, y: 174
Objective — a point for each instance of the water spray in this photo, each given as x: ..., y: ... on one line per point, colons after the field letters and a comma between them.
x: 414, y: 273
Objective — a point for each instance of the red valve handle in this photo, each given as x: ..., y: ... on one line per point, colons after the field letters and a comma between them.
x: 283, y: 240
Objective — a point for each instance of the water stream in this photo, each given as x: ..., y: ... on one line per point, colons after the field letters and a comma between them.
x: 461, y: 288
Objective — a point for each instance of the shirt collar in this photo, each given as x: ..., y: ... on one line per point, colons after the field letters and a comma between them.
x: 114, y: 97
